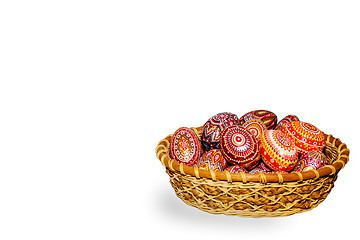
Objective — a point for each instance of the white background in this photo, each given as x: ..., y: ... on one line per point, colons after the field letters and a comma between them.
x: 88, y: 88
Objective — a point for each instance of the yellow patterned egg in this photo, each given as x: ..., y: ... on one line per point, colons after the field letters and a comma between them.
x: 306, y: 136
x: 278, y: 151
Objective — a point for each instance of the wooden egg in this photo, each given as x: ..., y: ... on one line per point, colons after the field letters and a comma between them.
x: 235, y: 169
x: 306, y: 136
x: 278, y: 151
x: 311, y: 160
x: 267, y: 117
x: 255, y: 126
x: 212, y: 159
x: 239, y: 145
x: 285, y: 120
x: 211, y: 131
x: 185, y: 146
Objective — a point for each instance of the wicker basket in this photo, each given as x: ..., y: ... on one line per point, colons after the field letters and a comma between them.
x: 254, y: 195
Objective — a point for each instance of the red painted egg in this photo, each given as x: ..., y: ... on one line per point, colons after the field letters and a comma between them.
x: 267, y: 117
x: 239, y: 145
x: 306, y: 136
x: 311, y: 160
x: 212, y: 159
x: 185, y: 146
x: 235, y: 169
x: 285, y: 120
x: 255, y: 126
x: 211, y: 131
x: 278, y: 151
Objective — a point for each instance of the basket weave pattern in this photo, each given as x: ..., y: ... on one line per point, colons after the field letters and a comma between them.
x: 254, y: 195
x: 251, y: 199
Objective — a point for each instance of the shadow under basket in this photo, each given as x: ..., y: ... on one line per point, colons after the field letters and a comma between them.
x: 254, y: 195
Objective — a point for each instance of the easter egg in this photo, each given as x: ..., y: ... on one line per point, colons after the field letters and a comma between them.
x: 255, y: 126
x: 260, y: 168
x: 306, y: 136
x: 212, y: 159
x: 235, y: 169
x: 252, y: 164
x: 211, y: 131
x: 278, y: 171
x: 278, y: 151
x: 239, y: 145
x: 185, y: 146
x: 285, y: 120
x: 311, y: 160
x: 267, y: 117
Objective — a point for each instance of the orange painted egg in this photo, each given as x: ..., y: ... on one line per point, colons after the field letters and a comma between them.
x: 278, y: 151
x: 255, y: 126
x: 267, y: 117
x: 185, y: 146
x: 311, y: 160
x: 212, y: 159
x: 239, y: 146
x: 211, y: 131
x: 306, y: 136
x: 285, y: 120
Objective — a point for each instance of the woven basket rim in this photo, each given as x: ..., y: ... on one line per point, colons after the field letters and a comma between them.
x: 162, y: 153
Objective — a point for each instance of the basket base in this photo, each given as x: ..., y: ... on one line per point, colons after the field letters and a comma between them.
x: 251, y: 199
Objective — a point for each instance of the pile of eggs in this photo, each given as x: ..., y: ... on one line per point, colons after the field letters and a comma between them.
x: 256, y: 142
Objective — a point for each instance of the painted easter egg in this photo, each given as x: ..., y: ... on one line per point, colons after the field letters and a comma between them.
x: 306, y: 136
x: 278, y: 151
x: 211, y: 131
x: 185, y: 146
x: 285, y: 120
x: 239, y: 145
x: 278, y: 171
x: 267, y: 117
x: 235, y: 169
x: 250, y: 165
x: 212, y: 159
x: 311, y: 160
x: 260, y: 168
x: 255, y: 126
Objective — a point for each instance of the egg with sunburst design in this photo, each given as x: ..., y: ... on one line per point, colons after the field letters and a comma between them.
x: 267, y: 117
x: 278, y: 151
x: 255, y: 126
x: 306, y: 136
x: 212, y: 159
x: 239, y: 146
x: 211, y: 131
x: 311, y: 160
x: 185, y: 146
